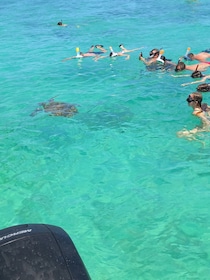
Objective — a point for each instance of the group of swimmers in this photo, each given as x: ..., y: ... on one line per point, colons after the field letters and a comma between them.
x: 202, y: 110
x: 99, y: 53
x: 157, y: 61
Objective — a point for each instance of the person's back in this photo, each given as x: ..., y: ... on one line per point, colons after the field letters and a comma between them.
x: 202, y: 66
x: 202, y: 56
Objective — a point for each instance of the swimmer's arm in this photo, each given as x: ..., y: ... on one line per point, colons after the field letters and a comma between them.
x: 133, y: 50
x: 187, y: 84
x: 69, y: 58
x: 195, y: 82
x: 190, y: 134
x: 127, y: 56
x: 144, y: 60
x: 179, y: 76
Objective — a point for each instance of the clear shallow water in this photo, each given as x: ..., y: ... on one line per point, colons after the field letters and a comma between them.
x: 133, y: 197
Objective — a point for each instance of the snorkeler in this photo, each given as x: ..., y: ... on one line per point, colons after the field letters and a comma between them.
x: 182, y: 66
x: 89, y: 53
x: 202, y: 56
x: 157, y: 61
x: 201, y: 111
x: 204, y: 78
x: 153, y: 56
x: 60, y: 23
x: 115, y: 54
x: 203, y: 87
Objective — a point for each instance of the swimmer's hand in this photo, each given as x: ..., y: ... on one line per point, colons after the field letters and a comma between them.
x: 184, y: 85
x: 140, y: 56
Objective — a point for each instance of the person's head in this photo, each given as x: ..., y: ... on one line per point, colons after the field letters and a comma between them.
x: 194, y: 99
x: 180, y: 66
x: 112, y: 54
x: 60, y: 23
x: 154, y: 53
x: 190, y: 56
x: 203, y: 87
x: 197, y: 74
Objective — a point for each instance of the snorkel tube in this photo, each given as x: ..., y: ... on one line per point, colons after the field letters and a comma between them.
x: 186, y: 54
x: 112, y: 54
x: 78, y: 53
x: 196, y: 73
x: 159, y: 59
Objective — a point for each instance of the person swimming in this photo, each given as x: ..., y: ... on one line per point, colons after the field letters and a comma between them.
x: 197, y: 74
x: 89, y: 53
x: 60, y: 23
x: 182, y: 66
x: 157, y: 61
x: 116, y: 54
x: 203, y: 87
x: 200, y: 110
x: 202, y: 57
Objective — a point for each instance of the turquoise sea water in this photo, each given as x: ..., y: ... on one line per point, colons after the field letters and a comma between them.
x: 133, y: 196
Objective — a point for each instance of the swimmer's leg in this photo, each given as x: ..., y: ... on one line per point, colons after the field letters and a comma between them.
x: 207, y: 51
x: 91, y: 49
x: 101, y: 48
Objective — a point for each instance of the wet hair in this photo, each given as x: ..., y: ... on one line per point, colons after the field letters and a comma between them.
x: 60, y: 23
x: 203, y: 87
x: 197, y: 74
x: 111, y: 53
x: 190, y: 56
x: 180, y: 66
x: 197, y: 97
x: 154, y: 52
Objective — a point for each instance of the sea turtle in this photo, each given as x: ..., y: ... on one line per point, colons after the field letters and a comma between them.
x: 55, y: 108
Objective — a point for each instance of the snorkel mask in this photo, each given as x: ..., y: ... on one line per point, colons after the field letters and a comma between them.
x: 197, y: 74
x: 161, y: 58
x: 180, y: 66
x: 203, y: 87
x: 153, y: 52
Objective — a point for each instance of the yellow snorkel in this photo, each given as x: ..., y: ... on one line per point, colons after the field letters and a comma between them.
x: 77, y: 51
